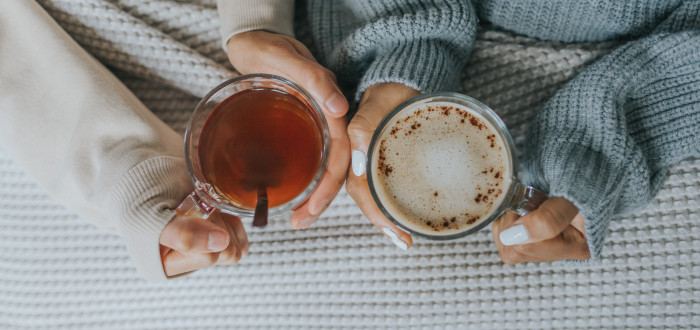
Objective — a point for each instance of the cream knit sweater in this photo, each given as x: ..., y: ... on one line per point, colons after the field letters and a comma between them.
x: 86, y: 139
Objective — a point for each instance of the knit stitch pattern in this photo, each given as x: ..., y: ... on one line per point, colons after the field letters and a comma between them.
x: 577, y: 21
x: 58, y: 271
x: 371, y: 42
x: 605, y: 140
x: 594, y: 143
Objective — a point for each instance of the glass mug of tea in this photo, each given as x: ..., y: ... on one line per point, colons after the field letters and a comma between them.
x: 254, y: 141
x: 442, y: 166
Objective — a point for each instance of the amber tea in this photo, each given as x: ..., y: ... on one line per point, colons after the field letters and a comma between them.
x: 261, y: 139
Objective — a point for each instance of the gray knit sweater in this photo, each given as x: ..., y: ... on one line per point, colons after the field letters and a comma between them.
x: 604, y: 141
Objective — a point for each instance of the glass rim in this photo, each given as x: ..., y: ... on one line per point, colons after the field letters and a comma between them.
x: 452, y: 97
x: 325, y: 149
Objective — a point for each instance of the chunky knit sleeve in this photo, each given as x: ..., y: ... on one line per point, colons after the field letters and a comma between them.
x: 421, y: 44
x: 606, y: 139
x: 84, y: 137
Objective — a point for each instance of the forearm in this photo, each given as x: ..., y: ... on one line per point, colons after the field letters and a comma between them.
x: 421, y: 45
x: 606, y: 139
x: 84, y: 137
x: 238, y: 16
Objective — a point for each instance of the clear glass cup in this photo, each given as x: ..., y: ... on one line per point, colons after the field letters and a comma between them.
x: 206, y: 197
x: 519, y: 198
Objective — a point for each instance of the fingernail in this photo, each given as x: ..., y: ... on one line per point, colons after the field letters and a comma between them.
x: 358, y: 162
x: 337, y: 103
x: 514, y: 235
x: 395, y: 239
x: 217, y: 241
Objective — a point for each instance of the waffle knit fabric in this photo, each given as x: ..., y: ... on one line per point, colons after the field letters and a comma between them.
x: 57, y: 271
x: 605, y: 140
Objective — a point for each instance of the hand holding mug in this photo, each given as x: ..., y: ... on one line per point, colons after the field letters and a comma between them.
x: 554, y: 231
x: 377, y: 101
x: 255, y: 143
x: 265, y: 52
x: 442, y: 166
x: 188, y: 243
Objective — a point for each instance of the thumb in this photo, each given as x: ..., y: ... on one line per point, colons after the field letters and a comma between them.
x: 548, y: 221
x: 194, y: 235
x: 377, y: 101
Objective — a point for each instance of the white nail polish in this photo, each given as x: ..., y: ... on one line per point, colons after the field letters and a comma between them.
x: 358, y: 162
x: 395, y: 239
x: 514, y: 235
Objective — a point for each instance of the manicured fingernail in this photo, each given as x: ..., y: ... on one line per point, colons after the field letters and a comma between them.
x: 514, y: 235
x: 319, y: 206
x: 358, y: 162
x: 337, y: 103
x: 395, y: 239
x: 217, y: 241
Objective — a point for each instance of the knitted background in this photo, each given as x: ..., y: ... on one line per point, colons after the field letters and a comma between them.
x: 58, y: 271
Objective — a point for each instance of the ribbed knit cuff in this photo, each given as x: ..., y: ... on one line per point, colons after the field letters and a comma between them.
x: 145, y: 200
x: 238, y: 16
x: 584, y: 177
x: 424, y: 65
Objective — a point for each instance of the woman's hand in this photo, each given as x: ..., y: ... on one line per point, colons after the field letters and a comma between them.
x: 376, y: 103
x: 265, y: 52
x: 554, y: 231
x: 189, y: 243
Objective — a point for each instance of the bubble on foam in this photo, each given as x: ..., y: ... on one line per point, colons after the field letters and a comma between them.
x: 441, y: 169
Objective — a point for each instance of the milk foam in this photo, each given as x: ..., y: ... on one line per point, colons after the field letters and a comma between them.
x: 440, y: 169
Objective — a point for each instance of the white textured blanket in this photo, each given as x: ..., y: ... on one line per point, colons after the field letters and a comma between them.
x: 57, y: 271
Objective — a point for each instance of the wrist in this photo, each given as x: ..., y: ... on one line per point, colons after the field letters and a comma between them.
x: 239, y: 40
x: 388, y: 94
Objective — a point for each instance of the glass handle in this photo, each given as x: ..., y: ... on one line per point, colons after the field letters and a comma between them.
x: 526, y: 199
x: 194, y: 206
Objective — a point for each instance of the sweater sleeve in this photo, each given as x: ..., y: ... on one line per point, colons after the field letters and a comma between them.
x: 84, y: 137
x: 421, y: 44
x: 606, y: 139
x: 238, y: 16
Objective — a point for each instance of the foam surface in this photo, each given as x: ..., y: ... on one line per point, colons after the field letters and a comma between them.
x: 441, y: 168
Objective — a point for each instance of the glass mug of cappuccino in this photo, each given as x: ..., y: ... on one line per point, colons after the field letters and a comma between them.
x: 252, y: 134
x: 442, y: 166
